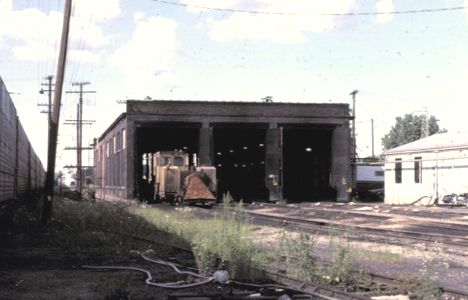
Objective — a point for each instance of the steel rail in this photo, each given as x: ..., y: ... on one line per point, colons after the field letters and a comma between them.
x: 323, y: 224
x: 375, y: 215
x: 450, y: 293
x: 324, y: 292
x: 456, y: 294
x: 302, y: 286
x: 287, y: 283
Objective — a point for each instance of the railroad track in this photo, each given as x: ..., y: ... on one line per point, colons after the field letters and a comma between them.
x: 447, y: 293
x: 325, y: 291
x: 345, y: 211
x: 316, y: 290
x: 379, y: 235
x: 452, y: 235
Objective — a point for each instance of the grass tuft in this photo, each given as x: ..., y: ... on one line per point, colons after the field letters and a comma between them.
x: 220, y: 242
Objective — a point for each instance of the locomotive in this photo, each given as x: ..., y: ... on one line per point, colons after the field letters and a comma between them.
x: 176, y: 182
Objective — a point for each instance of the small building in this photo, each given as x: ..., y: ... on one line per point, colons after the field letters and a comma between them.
x: 426, y: 170
x: 261, y: 151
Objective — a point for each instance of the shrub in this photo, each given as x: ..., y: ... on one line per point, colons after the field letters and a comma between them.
x: 297, y: 251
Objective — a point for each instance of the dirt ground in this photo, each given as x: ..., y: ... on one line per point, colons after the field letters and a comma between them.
x: 41, y: 272
x: 34, y: 267
x: 448, y: 268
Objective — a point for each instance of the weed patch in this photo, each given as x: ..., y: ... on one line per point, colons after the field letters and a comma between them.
x: 420, y: 287
x: 93, y: 230
x: 218, y: 242
x: 297, y: 252
x: 383, y: 255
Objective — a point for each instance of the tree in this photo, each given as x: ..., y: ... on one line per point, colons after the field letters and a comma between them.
x: 408, y: 129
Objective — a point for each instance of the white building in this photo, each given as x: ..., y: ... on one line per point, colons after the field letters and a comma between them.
x: 427, y: 169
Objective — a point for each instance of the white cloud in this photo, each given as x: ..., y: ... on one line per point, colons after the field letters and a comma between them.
x: 102, y: 10
x: 83, y: 56
x: 196, y: 6
x: 34, y: 35
x: 37, y: 51
x: 33, y: 51
x: 241, y: 26
x: 300, y: 17
x: 27, y: 24
x: 87, y: 34
x: 146, y: 58
x: 384, y: 6
x: 138, y: 16
x: 5, y: 6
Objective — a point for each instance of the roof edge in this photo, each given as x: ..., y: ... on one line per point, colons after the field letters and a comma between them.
x: 234, y: 102
x: 425, y: 150
x: 112, y: 125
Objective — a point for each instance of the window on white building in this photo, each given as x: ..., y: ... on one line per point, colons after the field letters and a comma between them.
x: 398, y: 170
x: 417, y: 170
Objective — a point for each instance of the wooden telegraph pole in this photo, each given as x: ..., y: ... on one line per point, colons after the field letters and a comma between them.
x: 55, y: 116
x: 49, y: 91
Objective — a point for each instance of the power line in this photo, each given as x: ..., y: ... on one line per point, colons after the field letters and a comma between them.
x: 233, y: 10
x: 79, y: 133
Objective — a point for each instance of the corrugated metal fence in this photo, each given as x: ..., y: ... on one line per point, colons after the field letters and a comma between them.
x: 21, y: 171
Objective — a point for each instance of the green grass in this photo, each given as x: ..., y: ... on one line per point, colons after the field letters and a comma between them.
x: 421, y: 287
x: 94, y: 230
x: 384, y: 256
x: 219, y: 242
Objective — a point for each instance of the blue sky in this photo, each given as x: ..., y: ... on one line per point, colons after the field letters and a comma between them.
x: 130, y: 49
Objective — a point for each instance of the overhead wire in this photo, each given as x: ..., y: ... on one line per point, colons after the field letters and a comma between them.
x: 76, y: 67
x: 52, y: 40
x: 56, y: 48
x: 77, y: 71
x: 38, y: 40
x: 235, y: 10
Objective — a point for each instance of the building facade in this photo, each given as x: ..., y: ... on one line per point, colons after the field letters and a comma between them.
x: 261, y: 151
x: 426, y: 170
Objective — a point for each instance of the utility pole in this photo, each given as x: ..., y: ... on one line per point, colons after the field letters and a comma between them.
x: 353, y: 146
x: 425, y: 123
x: 372, y: 124
x: 79, y: 133
x: 49, y: 91
x: 55, y: 116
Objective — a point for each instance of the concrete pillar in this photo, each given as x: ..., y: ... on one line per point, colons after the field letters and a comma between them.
x: 205, y: 145
x: 341, y: 166
x: 273, y: 163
